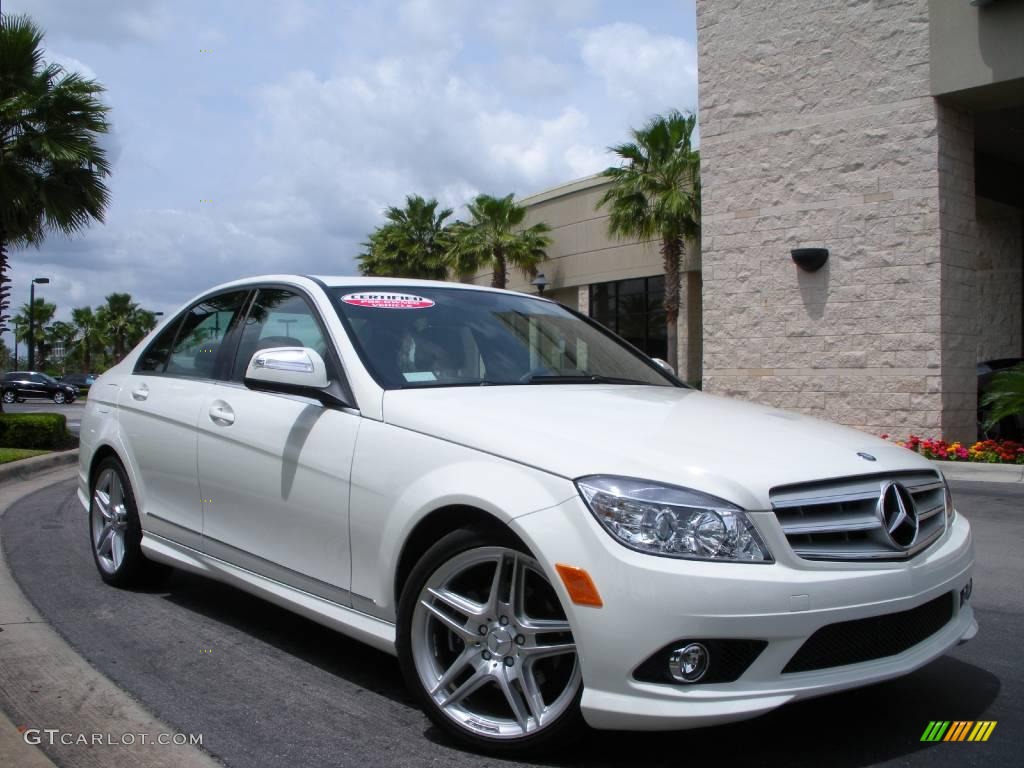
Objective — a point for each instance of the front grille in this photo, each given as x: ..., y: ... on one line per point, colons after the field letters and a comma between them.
x: 850, y: 642
x: 839, y: 519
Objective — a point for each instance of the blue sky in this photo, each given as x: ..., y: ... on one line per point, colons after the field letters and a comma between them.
x: 305, y: 119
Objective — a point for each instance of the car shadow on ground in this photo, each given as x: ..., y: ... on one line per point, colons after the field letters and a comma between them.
x: 871, y: 725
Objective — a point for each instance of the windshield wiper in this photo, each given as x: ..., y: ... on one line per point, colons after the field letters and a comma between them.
x: 584, y: 378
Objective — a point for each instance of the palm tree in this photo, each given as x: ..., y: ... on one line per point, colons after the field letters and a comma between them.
x: 42, y: 314
x: 495, y: 237
x: 119, y: 318
x: 51, y: 165
x: 655, y: 193
x: 412, y: 243
x: 90, y: 334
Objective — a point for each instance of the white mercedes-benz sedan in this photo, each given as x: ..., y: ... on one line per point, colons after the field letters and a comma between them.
x: 544, y: 525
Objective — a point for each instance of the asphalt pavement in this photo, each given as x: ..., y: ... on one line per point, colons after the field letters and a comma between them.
x: 268, y: 688
x: 72, y: 411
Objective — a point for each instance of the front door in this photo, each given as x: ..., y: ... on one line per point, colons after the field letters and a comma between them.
x: 273, y: 468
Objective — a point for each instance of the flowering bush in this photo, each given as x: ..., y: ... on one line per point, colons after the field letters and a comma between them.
x: 983, y: 451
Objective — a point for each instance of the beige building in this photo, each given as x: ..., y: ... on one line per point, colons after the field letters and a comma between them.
x: 892, y: 134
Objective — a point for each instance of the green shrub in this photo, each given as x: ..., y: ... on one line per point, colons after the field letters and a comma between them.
x: 46, y: 431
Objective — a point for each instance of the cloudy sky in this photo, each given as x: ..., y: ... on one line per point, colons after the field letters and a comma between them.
x: 300, y: 120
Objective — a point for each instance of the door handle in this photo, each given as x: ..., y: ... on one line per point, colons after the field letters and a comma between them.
x: 221, y: 414
x: 140, y: 393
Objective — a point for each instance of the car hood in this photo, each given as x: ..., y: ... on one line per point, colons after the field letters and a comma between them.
x: 733, y: 449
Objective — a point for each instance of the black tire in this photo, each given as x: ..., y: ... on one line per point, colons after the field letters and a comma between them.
x: 132, y: 568
x: 555, y: 735
x: 9, y: 396
x: 59, y: 398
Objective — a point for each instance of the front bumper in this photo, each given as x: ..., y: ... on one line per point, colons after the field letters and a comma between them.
x: 652, y: 601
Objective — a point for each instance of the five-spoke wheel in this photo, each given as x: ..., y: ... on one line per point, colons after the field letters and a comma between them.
x: 487, y: 644
x: 114, y: 529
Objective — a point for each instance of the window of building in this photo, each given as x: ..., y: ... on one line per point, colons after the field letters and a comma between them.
x: 634, y: 309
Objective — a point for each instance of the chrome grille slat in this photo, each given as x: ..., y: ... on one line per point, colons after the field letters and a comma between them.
x: 838, y: 519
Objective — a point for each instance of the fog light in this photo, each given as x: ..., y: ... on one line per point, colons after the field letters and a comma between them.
x: 965, y: 593
x: 689, y: 663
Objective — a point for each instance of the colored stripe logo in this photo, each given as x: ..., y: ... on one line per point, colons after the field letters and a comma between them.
x: 958, y: 730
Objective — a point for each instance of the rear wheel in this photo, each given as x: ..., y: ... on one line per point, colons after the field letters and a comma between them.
x: 115, y: 531
x: 485, y: 645
x: 9, y: 396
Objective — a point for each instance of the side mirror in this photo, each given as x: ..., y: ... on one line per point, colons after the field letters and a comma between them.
x: 663, y: 365
x: 299, y: 370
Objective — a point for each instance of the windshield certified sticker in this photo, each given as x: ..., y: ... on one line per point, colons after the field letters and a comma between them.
x: 387, y: 300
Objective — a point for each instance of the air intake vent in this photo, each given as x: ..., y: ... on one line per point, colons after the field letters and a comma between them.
x: 850, y: 642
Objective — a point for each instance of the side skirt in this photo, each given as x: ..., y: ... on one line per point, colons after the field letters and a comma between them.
x: 367, y: 629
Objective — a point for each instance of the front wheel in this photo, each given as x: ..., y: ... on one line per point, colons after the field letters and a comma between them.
x: 486, y: 647
x: 58, y: 398
x: 115, y: 531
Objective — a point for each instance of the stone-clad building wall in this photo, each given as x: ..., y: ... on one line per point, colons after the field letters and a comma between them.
x: 818, y: 129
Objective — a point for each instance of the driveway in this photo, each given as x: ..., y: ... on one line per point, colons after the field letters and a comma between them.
x: 268, y: 688
x: 72, y: 412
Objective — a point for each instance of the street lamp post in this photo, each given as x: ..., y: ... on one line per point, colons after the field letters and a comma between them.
x: 32, y: 320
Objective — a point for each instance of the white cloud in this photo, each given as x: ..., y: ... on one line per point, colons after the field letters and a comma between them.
x: 319, y: 115
x: 112, y: 22
x: 646, y: 72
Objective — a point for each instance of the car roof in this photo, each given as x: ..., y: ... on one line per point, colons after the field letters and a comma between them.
x: 356, y: 281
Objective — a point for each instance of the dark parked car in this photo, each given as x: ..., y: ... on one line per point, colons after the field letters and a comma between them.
x: 19, y: 385
x: 1010, y: 428
x: 80, y: 380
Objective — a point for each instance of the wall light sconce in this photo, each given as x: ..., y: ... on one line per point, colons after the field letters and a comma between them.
x: 810, y: 259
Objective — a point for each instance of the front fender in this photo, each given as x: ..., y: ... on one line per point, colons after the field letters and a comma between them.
x: 399, y: 477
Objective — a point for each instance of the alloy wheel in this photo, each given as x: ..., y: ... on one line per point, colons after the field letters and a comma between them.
x: 109, y: 521
x: 9, y: 396
x: 58, y: 398
x: 492, y: 646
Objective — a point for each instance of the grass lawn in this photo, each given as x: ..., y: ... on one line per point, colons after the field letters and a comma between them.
x: 13, y: 454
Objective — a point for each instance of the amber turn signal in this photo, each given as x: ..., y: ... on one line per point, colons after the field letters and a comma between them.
x: 579, y: 585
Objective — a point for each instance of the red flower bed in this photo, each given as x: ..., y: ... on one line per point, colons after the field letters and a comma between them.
x: 983, y: 451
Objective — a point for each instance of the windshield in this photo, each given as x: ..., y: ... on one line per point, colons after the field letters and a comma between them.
x: 444, y: 337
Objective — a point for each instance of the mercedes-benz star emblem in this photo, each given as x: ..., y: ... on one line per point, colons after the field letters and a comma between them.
x: 898, y: 513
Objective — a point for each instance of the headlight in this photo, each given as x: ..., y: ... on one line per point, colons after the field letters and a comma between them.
x: 670, y: 521
x: 950, y: 510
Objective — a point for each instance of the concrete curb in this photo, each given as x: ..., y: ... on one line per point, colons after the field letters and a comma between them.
x: 981, y: 473
x: 45, y: 684
x: 29, y: 468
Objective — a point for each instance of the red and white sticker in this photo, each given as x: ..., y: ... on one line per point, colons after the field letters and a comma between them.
x: 384, y: 300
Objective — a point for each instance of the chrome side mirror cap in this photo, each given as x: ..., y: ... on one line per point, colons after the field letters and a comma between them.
x: 663, y: 365
x: 283, y: 368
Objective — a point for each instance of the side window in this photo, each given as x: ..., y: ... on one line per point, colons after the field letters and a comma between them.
x: 154, y: 358
x: 197, y: 347
x: 278, y: 318
x: 37, y: 379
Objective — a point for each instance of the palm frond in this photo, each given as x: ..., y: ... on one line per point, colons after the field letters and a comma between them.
x: 1005, y: 396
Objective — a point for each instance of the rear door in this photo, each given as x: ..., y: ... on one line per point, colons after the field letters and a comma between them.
x: 274, y: 468
x: 158, y: 408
